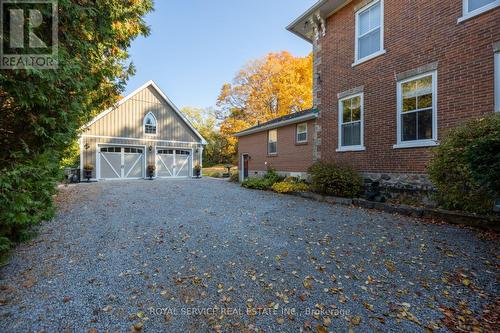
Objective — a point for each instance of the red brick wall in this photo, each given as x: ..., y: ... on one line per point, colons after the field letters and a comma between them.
x: 416, y: 33
x: 291, y: 157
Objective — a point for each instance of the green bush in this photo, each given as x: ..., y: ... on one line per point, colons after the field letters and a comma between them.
x: 263, y: 183
x: 215, y: 174
x: 465, y: 167
x: 26, y: 197
x: 336, y: 180
x: 235, y: 177
x: 290, y: 186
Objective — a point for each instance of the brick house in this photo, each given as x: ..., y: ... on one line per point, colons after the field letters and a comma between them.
x: 392, y: 76
x: 284, y: 144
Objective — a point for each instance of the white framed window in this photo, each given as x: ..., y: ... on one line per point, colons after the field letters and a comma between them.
x: 417, y: 111
x: 150, y: 124
x: 272, y: 142
x: 351, y: 120
x: 497, y: 81
x: 471, y: 8
x: 369, y: 32
x: 301, y: 136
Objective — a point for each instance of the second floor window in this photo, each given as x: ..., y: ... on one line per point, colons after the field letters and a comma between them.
x: 150, y: 124
x: 369, y: 30
x: 272, y: 142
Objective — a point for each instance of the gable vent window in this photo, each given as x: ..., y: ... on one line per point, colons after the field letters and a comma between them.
x: 150, y: 124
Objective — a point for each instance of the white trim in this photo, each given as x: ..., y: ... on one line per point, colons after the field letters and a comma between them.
x: 381, y: 50
x: 497, y: 81
x: 300, y: 119
x: 137, y: 139
x: 467, y: 15
x: 169, y: 102
x: 144, y: 125
x: 297, y: 133
x: 361, y: 146
x: 98, y: 160
x: 370, y: 57
x: 350, y: 148
x: 80, y: 143
x: 242, y: 164
x: 418, y: 143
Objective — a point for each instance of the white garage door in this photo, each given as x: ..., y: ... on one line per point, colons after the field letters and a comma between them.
x: 121, y: 162
x: 173, y: 162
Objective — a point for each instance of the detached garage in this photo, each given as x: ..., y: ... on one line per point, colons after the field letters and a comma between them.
x: 143, y: 129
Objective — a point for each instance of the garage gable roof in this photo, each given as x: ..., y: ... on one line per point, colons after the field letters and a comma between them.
x: 152, y: 84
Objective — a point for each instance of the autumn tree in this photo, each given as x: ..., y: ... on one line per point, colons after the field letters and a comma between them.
x: 42, y: 109
x: 205, y: 122
x: 266, y: 88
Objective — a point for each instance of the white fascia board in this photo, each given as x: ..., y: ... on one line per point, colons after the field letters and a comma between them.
x: 144, y: 86
x: 278, y: 124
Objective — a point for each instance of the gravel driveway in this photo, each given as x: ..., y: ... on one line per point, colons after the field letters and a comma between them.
x: 207, y: 255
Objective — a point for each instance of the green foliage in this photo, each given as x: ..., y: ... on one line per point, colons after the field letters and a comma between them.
x: 205, y: 122
x: 42, y: 110
x: 263, y: 183
x: 26, y: 197
x: 257, y: 183
x: 465, y: 168
x: 235, y: 177
x: 337, y: 180
x: 215, y: 174
x: 290, y: 186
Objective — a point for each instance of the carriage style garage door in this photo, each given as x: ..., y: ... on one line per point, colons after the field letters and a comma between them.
x: 121, y: 162
x: 173, y: 162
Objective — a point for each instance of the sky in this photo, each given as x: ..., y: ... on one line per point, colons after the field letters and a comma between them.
x: 196, y: 46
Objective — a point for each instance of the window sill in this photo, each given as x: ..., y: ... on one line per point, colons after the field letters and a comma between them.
x: 478, y: 11
x: 370, y: 57
x: 303, y: 143
x: 272, y: 155
x: 416, y: 144
x: 352, y: 148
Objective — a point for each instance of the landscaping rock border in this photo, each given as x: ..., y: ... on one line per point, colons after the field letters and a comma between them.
x: 453, y: 217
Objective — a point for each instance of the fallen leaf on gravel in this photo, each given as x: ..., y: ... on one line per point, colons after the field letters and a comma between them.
x: 66, y: 299
x: 137, y: 327
x: 107, y: 308
x: 280, y: 320
x: 356, y: 320
x: 321, y: 329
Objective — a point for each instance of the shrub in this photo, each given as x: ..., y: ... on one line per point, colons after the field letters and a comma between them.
x: 215, y: 174
x: 235, y: 177
x: 26, y: 197
x: 466, y: 165
x: 257, y: 183
x: 336, y: 180
x: 263, y: 183
x: 273, y: 177
x: 288, y: 187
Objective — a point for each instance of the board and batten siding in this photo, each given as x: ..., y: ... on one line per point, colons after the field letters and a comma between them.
x: 126, y: 120
x: 124, y: 126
